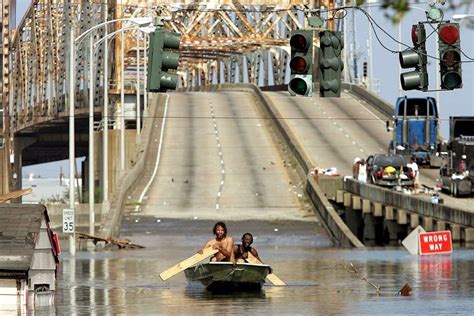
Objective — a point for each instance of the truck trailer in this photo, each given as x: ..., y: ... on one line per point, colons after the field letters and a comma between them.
x: 457, y: 170
x: 415, y: 128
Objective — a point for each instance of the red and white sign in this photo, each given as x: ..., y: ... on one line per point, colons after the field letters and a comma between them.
x: 435, y: 242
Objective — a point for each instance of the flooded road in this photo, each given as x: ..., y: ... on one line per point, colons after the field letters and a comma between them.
x: 318, y: 275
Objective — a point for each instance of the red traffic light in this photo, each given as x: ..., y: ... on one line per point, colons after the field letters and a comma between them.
x: 298, y: 64
x: 299, y: 42
x: 449, y: 34
x: 414, y: 35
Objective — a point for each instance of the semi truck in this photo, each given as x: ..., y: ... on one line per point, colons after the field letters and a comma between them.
x: 457, y: 171
x: 415, y: 126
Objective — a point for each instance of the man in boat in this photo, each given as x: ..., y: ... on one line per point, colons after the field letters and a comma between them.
x: 241, y: 252
x: 223, y: 243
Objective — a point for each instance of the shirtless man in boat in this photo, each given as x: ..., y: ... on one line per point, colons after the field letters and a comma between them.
x: 223, y: 243
x: 241, y: 252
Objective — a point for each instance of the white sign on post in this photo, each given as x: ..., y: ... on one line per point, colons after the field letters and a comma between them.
x: 68, y: 220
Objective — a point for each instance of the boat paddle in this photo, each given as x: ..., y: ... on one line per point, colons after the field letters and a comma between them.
x: 186, y: 263
x: 271, y: 277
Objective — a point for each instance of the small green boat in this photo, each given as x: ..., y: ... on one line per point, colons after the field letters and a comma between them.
x: 225, y: 276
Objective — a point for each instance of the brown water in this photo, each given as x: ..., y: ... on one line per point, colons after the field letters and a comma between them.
x: 318, y: 276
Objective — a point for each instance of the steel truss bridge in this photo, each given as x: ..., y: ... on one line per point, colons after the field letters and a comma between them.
x: 222, y: 42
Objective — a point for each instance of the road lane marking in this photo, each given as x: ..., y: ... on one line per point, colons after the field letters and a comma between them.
x: 221, y: 156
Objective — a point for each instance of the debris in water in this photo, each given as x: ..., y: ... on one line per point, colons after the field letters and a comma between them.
x: 405, y: 290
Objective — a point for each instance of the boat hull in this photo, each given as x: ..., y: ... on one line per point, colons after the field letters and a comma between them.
x: 225, y: 276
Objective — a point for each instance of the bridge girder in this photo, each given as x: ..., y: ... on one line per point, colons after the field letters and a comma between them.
x: 223, y: 41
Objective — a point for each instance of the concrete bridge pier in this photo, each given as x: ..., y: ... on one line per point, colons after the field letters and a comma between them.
x: 353, y: 215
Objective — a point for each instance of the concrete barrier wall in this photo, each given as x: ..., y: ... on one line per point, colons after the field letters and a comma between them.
x: 332, y: 220
x: 410, y: 203
x: 110, y: 225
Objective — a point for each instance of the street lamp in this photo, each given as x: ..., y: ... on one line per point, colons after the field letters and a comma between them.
x: 459, y: 17
x: 74, y: 43
x: 145, y: 30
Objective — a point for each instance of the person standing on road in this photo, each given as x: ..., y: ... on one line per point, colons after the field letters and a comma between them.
x: 414, y: 168
x: 362, y: 171
x: 223, y: 243
x: 355, y: 168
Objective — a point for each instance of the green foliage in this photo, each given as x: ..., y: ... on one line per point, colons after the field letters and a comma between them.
x: 395, y: 10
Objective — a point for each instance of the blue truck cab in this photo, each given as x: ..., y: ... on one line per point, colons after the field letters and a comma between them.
x: 415, y: 130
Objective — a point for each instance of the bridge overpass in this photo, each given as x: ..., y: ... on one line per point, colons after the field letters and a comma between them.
x: 302, y: 132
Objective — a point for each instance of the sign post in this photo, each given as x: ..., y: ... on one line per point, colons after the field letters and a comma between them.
x: 68, y: 221
x: 435, y: 243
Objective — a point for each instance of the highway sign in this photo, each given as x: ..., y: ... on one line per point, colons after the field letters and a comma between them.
x: 436, y: 242
x: 68, y: 220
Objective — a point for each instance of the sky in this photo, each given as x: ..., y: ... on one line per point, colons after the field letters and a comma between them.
x: 459, y: 102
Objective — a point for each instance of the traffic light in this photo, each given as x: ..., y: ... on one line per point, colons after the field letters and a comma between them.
x: 162, y: 58
x: 415, y: 57
x: 330, y: 63
x: 301, y: 63
x: 449, y: 42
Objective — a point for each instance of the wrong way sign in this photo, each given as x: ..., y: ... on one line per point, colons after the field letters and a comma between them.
x: 435, y: 242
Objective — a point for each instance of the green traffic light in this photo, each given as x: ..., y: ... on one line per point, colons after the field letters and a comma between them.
x: 299, y: 86
x: 415, y: 57
x: 161, y: 59
x: 451, y: 80
x: 330, y: 63
x: 301, y: 63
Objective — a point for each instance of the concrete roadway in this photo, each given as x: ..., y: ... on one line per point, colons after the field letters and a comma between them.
x: 218, y: 162
x: 334, y: 131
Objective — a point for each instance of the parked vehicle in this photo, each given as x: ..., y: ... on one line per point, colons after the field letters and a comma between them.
x: 415, y: 130
x: 457, y: 171
x: 389, y: 170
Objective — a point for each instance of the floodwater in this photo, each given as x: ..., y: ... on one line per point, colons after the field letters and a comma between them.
x: 319, y: 277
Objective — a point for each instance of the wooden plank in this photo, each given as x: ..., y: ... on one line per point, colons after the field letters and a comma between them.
x: 14, y: 194
x: 272, y: 277
x: 183, y: 265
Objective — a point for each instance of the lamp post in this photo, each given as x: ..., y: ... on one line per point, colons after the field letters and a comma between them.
x: 72, y: 158
x: 74, y: 42
x: 138, y: 88
x: 91, y: 141
x: 459, y: 17
x: 145, y: 30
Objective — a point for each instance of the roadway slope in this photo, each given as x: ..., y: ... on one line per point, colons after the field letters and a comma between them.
x: 217, y: 161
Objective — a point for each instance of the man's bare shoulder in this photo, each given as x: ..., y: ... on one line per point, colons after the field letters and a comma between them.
x: 229, y: 240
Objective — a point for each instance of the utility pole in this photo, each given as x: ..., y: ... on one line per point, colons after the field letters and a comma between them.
x: 354, y: 57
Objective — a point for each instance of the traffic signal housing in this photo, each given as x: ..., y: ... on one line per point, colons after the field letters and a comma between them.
x: 301, y: 63
x: 415, y: 57
x: 330, y: 63
x: 163, y: 56
x: 449, y: 45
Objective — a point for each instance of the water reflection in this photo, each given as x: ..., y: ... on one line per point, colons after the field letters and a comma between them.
x: 127, y: 282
